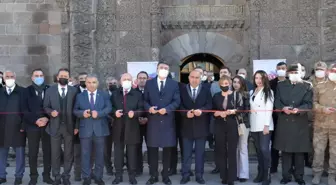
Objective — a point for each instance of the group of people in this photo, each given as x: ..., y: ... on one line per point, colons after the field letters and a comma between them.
x: 287, y: 114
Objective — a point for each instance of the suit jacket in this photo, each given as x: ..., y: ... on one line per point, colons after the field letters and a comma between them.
x: 161, y: 128
x: 125, y: 129
x: 89, y: 127
x: 51, y: 102
x: 198, y: 126
x: 32, y: 107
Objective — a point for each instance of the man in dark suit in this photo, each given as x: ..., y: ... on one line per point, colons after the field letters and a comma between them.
x: 127, y: 107
x: 58, y: 104
x: 195, y: 125
x: 35, y: 122
x: 142, y: 78
x: 92, y: 107
x: 12, y: 127
x: 81, y: 86
x: 162, y: 98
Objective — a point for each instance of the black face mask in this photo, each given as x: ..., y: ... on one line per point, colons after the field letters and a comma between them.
x: 82, y: 84
x: 113, y: 87
x: 225, y: 88
x: 63, y: 81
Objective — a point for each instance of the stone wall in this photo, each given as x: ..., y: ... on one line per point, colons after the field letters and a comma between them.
x: 30, y: 37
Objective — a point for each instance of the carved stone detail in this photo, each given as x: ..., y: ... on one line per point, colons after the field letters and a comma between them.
x: 210, y: 24
x: 155, y: 11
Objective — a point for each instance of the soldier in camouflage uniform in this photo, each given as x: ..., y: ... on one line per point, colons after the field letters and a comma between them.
x: 325, y: 126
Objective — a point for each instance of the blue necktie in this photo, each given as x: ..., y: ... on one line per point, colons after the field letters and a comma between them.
x: 91, y: 101
x: 194, y: 94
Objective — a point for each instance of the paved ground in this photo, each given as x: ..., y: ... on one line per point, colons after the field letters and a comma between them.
x: 210, y: 179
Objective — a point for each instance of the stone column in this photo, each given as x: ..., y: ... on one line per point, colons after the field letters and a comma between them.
x: 155, y: 12
x: 328, y: 30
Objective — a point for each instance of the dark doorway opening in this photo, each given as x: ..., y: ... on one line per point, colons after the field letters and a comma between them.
x: 208, y: 62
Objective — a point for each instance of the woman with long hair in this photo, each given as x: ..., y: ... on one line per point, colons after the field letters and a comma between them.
x: 226, y: 105
x: 239, y: 86
x: 261, y: 121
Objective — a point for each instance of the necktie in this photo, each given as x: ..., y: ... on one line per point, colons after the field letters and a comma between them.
x: 91, y: 101
x: 194, y: 94
x: 39, y: 94
x: 63, y: 92
x: 161, y: 86
x: 9, y: 91
x: 125, y: 93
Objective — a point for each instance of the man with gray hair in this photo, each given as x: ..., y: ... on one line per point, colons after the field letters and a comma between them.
x: 12, y: 127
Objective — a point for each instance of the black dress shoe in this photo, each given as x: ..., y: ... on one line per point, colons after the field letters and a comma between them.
x: 274, y: 170
x: 132, y: 180
x: 285, y: 181
x: 2, y: 180
x: 99, y: 181
x: 152, y: 180
x: 109, y: 171
x: 191, y: 173
x: 172, y: 172
x: 138, y: 173
x: 301, y: 182
x: 224, y: 181
x: 200, y: 180
x: 117, y: 180
x: 166, y: 181
x: 47, y: 180
x: 242, y: 180
x: 32, y: 182
x: 185, y: 180
x: 230, y: 183
x: 66, y: 182
x: 87, y: 181
x: 18, y: 181
x: 57, y: 182
x: 215, y: 171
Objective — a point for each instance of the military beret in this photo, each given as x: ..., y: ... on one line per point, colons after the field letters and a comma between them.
x: 320, y: 65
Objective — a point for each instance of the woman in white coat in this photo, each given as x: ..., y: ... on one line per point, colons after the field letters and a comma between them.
x: 261, y: 103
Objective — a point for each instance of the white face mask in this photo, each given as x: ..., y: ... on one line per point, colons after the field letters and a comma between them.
x: 10, y: 82
x: 242, y: 75
x: 320, y: 74
x: 204, y: 78
x: 70, y: 84
x: 126, y: 84
x: 163, y: 73
x: 294, y: 77
x: 281, y: 73
x: 0, y: 81
x: 212, y: 78
x: 303, y: 74
x: 332, y: 77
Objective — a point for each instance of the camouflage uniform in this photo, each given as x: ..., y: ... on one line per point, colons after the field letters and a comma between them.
x: 324, y: 127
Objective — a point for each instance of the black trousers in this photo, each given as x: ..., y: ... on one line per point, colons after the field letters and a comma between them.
x: 274, y: 152
x: 108, y: 151
x: 143, y: 137
x: 174, y: 153
x: 287, y: 161
x: 226, y: 154
x: 153, y: 155
x: 34, y: 138
x: 56, y: 143
x: 119, y: 153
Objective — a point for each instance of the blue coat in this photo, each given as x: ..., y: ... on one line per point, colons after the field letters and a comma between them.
x: 89, y: 127
x: 161, y: 128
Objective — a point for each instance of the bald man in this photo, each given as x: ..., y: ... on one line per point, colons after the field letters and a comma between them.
x: 127, y: 107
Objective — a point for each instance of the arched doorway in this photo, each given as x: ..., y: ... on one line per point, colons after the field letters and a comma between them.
x: 207, y: 61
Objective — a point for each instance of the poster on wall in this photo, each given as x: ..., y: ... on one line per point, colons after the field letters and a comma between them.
x: 268, y: 65
x: 135, y: 67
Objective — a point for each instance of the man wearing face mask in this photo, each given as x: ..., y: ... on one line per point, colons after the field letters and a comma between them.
x: 162, y: 98
x: 35, y: 124
x: 243, y: 73
x: 292, y: 133
x: 127, y: 108
x: 281, y: 69
x: 325, y: 127
x: 12, y: 127
x: 203, y: 77
x: 210, y: 77
x: 58, y: 104
x: 112, y: 84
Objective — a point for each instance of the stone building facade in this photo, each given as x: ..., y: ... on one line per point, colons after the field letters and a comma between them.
x: 100, y: 36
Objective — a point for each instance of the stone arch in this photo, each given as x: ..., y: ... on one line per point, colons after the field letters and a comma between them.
x: 191, y: 43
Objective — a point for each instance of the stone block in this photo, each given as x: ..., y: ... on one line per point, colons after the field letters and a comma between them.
x: 54, y: 50
x: 44, y: 28
x: 310, y: 53
x: 21, y: 1
x: 14, y: 7
x: 284, y: 18
x: 328, y: 35
x: 132, y: 54
x: 146, y: 24
x: 224, y: 2
x: 54, y: 17
x: 4, y: 51
x: 40, y: 60
x: 11, y: 40
x: 329, y: 52
x: 6, y: 17
x: 284, y: 4
x: 37, y: 50
x: 15, y: 60
x: 307, y: 35
x: 13, y: 29
x: 128, y: 22
x: 134, y: 38
x: 18, y: 51
x: 328, y: 3
x: 266, y: 20
x: 7, y: 1
x: 328, y: 17
x: 308, y: 4
x: 29, y: 40
x: 307, y: 18
x: 37, y: 1
x: 2, y: 29
x: 39, y: 17
x: 2, y: 7
x: 29, y: 29
x: 46, y: 7
x: 282, y: 36
x: 129, y: 7
x: 23, y: 17
x: 55, y: 29
x: 31, y: 7
x: 49, y: 40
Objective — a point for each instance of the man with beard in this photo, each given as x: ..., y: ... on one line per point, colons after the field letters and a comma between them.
x: 58, y: 104
x: 112, y: 84
x: 35, y: 122
x: 292, y: 133
x: 12, y: 127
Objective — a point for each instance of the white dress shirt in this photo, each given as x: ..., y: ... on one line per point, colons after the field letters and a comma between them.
x: 94, y: 96
x: 12, y: 88
x: 82, y: 89
x: 60, y: 90
x: 192, y: 91
x: 42, y: 94
x: 159, y: 83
